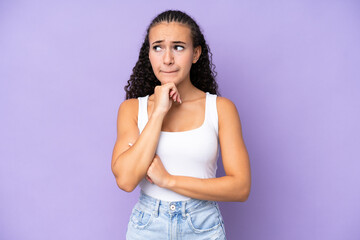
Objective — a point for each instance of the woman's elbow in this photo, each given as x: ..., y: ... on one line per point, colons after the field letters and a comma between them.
x: 125, y: 185
x: 243, y: 197
x: 123, y: 180
x: 243, y: 193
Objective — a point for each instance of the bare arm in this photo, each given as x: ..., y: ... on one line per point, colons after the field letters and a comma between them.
x: 129, y: 165
x: 235, y: 186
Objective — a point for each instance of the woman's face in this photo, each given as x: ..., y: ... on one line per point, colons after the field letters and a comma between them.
x: 171, y: 52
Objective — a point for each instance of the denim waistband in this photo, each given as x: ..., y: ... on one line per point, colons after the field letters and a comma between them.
x: 175, y: 207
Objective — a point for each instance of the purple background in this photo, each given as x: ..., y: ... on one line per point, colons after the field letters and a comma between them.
x: 291, y: 68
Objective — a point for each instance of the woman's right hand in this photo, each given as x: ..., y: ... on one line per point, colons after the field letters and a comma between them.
x: 164, y: 95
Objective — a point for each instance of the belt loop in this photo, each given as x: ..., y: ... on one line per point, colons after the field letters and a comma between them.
x: 183, y: 205
x: 156, y: 209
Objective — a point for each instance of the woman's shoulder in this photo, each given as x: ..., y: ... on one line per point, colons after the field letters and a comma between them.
x: 225, y: 107
x: 129, y: 106
x: 224, y: 102
x: 127, y: 115
x: 129, y: 102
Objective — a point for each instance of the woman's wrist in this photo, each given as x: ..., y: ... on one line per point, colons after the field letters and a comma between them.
x: 170, y: 183
x: 158, y: 114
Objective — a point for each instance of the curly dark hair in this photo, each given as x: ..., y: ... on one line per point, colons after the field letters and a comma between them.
x: 202, y: 73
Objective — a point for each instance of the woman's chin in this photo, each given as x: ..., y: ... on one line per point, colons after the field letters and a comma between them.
x: 168, y: 80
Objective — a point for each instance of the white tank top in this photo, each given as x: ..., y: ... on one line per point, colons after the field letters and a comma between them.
x: 192, y: 153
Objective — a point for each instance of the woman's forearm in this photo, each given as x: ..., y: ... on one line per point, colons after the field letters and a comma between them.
x: 226, y: 188
x: 131, y: 165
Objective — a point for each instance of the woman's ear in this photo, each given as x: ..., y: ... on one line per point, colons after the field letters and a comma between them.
x: 197, y: 53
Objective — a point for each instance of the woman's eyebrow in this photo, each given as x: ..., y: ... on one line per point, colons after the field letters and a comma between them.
x: 176, y: 42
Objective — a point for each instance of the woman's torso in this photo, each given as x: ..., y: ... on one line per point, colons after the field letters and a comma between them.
x: 184, y: 150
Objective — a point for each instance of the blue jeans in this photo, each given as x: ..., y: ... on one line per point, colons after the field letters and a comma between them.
x: 152, y: 218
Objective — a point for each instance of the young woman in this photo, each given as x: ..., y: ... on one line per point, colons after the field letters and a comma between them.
x: 168, y: 135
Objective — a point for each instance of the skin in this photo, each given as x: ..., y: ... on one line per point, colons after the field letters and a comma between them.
x: 169, y: 108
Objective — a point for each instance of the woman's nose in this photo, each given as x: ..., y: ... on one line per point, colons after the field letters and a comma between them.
x: 168, y: 57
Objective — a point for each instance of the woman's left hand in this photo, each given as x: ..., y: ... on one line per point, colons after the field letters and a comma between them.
x: 157, y: 173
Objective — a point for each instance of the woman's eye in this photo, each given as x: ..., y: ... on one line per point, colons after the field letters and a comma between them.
x: 156, y: 48
x: 178, y: 47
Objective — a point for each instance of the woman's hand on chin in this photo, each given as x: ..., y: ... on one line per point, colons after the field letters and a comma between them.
x: 164, y: 95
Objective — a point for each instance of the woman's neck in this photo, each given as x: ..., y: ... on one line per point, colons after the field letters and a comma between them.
x: 187, y: 91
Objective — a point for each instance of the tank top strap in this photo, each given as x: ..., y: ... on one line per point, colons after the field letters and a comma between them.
x: 142, y: 114
x: 211, y: 111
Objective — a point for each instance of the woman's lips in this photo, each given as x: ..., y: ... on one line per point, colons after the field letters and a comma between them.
x: 169, y: 71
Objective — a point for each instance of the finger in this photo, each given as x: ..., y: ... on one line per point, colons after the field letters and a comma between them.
x: 172, y: 87
x: 174, y: 96
x: 178, y: 98
x: 172, y: 93
x: 149, y: 179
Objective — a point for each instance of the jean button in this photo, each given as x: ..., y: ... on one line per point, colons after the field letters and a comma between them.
x: 172, y: 207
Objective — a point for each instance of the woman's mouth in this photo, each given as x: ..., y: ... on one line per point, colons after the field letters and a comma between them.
x: 169, y: 71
